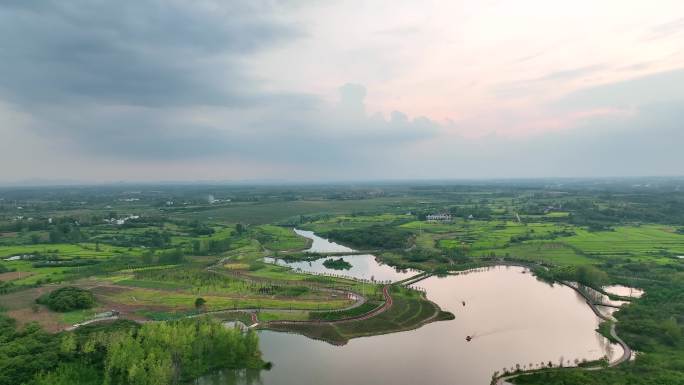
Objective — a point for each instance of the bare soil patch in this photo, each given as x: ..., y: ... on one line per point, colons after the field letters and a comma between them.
x: 50, y: 321
x: 25, y: 298
x: 12, y: 275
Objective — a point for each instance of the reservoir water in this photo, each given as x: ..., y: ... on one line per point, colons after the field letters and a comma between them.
x: 322, y: 245
x: 363, y: 266
x: 513, y: 318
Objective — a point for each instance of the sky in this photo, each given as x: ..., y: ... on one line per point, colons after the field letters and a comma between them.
x: 150, y: 90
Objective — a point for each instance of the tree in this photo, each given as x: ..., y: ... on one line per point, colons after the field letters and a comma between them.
x: 68, y: 298
x: 240, y: 228
x: 35, y: 238
x: 199, y: 303
x: 591, y: 276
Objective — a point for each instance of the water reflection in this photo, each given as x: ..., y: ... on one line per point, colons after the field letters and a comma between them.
x: 231, y: 377
x: 598, y: 297
x: 364, y: 266
x: 322, y: 245
x: 513, y: 318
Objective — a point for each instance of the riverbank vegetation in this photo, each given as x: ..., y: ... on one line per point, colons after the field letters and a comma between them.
x: 123, y: 353
x: 337, y: 264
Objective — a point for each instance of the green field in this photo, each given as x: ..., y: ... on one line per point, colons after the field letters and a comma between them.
x: 185, y: 301
x: 652, y: 241
x: 178, y: 255
x: 276, y: 212
x: 280, y: 238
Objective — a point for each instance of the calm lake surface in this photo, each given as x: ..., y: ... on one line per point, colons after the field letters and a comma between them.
x: 364, y: 266
x: 322, y: 245
x: 513, y: 317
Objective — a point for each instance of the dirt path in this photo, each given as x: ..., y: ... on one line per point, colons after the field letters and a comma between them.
x: 360, y: 300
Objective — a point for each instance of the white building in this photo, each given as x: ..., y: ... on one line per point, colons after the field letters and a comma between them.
x: 439, y: 217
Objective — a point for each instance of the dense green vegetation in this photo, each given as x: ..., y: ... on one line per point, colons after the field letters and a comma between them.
x: 158, y: 250
x: 171, y: 353
x: 24, y: 353
x: 337, y: 264
x: 67, y: 299
x: 371, y: 237
x: 123, y: 353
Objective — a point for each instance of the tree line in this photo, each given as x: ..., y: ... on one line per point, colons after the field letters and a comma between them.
x: 123, y: 353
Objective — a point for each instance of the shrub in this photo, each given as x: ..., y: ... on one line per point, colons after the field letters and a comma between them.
x: 67, y: 299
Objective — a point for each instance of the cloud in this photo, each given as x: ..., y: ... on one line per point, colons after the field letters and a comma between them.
x: 573, y: 73
x: 656, y: 88
x: 543, y: 83
x: 647, y: 141
x: 141, y: 86
x: 666, y: 29
x: 133, y: 52
x: 166, y: 81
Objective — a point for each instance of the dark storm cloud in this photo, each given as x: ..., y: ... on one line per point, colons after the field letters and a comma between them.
x: 132, y: 51
x: 151, y: 82
x: 170, y: 80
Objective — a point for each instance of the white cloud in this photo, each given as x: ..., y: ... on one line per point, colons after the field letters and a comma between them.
x: 174, y: 90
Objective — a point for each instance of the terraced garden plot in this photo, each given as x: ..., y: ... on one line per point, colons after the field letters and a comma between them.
x: 554, y: 252
x: 481, y: 235
x: 408, y: 311
x: 185, y: 301
x: 66, y: 250
x: 643, y: 241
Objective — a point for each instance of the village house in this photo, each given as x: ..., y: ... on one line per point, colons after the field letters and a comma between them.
x: 443, y: 217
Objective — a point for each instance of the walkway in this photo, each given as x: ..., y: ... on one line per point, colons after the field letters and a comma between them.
x: 413, y: 279
x: 385, y: 306
x: 626, y: 350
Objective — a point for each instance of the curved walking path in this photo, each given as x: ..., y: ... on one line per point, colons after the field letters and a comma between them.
x: 91, y: 321
x: 359, y: 299
x: 385, y: 306
x: 626, y: 350
x: 413, y: 279
x: 253, y: 312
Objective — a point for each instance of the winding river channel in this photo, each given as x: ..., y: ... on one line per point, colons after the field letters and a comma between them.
x: 513, y: 318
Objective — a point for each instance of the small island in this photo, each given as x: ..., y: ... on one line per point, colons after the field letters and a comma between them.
x: 337, y: 264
